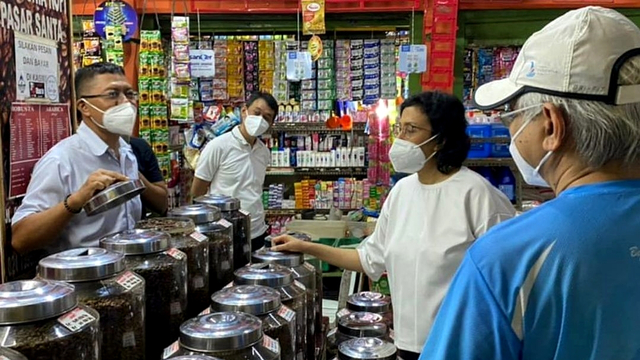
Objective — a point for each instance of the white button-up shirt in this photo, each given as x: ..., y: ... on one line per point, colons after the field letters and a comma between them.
x: 237, y: 169
x: 63, y: 170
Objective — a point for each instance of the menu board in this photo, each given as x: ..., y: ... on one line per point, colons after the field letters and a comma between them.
x: 35, y: 128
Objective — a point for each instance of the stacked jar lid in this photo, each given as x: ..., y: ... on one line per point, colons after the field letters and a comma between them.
x: 209, y: 222
x: 195, y: 245
x: 148, y: 253
x: 241, y: 221
x: 356, y: 325
x: 372, y: 302
x: 367, y: 349
x: 41, y: 319
x: 101, y: 282
x: 225, y: 336
x: 292, y: 294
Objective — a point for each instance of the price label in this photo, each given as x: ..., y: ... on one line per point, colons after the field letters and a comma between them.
x: 176, y: 254
x: 300, y: 285
x: 287, y: 313
x: 171, y: 349
x: 2, y: 357
x: 224, y: 223
x: 271, y: 344
x: 392, y: 335
x: 198, y: 282
x: 246, y: 248
x: 176, y: 308
x: 196, y: 235
x: 225, y: 265
x: 229, y: 285
x: 244, y: 212
x: 129, y: 280
x: 206, y: 311
x: 76, y: 319
x: 342, y: 313
x: 128, y: 339
x: 309, y: 267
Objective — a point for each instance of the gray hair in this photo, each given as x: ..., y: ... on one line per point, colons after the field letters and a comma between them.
x: 602, y: 133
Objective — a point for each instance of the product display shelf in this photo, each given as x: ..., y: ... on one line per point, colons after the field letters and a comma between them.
x: 290, y: 212
x: 313, y: 127
x: 318, y: 171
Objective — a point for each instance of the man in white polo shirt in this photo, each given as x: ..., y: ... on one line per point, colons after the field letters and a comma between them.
x: 235, y: 164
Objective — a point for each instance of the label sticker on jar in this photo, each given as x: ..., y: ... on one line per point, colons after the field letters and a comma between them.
x: 198, y: 282
x: 176, y: 308
x: 76, y: 319
x: 196, y: 235
x: 287, y: 313
x: 129, y: 280
x: 176, y: 254
x: 2, y: 357
x: 246, y: 248
x: 225, y: 265
x: 224, y: 223
x: 229, y: 285
x: 128, y: 339
x: 392, y: 335
x: 171, y: 349
x: 245, y: 213
x: 300, y: 285
x: 342, y: 313
x: 271, y: 344
x: 206, y: 311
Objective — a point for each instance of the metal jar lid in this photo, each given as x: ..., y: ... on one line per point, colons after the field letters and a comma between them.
x: 362, y: 324
x: 199, y: 213
x: 170, y: 225
x: 114, y: 196
x: 222, y: 202
x: 369, y: 301
x: 288, y: 259
x: 221, y: 332
x: 195, y: 357
x: 8, y: 354
x: 367, y: 349
x: 265, y: 274
x: 137, y: 242
x: 32, y: 300
x: 249, y: 299
x: 81, y: 264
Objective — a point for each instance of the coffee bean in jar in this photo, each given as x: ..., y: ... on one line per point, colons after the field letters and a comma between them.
x: 372, y: 302
x: 292, y: 294
x: 209, y: 222
x: 278, y: 321
x: 225, y: 335
x: 241, y: 221
x: 356, y: 325
x: 164, y: 269
x: 185, y: 238
x: 42, y: 320
x: 367, y: 349
x: 302, y: 272
x: 102, y: 283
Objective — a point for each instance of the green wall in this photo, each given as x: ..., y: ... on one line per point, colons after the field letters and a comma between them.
x: 504, y: 27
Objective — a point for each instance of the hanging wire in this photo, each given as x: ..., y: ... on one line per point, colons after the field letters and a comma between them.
x: 144, y: 12
x: 298, y: 16
x: 155, y: 9
x: 413, y: 25
x: 199, y: 36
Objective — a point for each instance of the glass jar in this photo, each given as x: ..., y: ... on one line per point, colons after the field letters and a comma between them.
x: 41, y: 320
x: 367, y: 349
x: 8, y: 354
x: 241, y: 221
x: 227, y: 336
x: 209, y: 221
x: 372, y: 302
x: 292, y: 294
x: 102, y: 283
x: 305, y: 274
x: 185, y: 238
x: 278, y: 321
x: 164, y: 269
x: 195, y: 357
x: 356, y: 325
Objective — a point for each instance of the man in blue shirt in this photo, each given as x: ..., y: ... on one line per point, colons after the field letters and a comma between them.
x: 559, y: 282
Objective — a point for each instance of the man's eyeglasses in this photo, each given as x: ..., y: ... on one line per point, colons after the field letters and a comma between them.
x: 115, y: 95
x: 508, y: 117
x: 408, y: 130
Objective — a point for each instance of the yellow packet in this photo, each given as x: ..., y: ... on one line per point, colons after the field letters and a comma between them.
x: 313, y: 17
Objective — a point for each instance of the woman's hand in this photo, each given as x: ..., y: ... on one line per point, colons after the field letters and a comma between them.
x: 287, y: 243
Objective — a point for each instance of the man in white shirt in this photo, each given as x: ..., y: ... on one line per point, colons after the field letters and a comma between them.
x: 235, y: 164
x: 50, y: 216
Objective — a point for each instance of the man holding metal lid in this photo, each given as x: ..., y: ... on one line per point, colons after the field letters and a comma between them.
x: 559, y: 282
x: 78, y: 167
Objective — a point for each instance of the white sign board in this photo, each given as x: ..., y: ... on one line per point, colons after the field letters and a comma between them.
x: 36, y: 68
x: 413, y: 59
x: 202, y: 63
x: 299, y: 66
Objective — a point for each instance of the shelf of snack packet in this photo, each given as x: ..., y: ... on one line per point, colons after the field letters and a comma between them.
x: 320, y: 126
x: 288, y: 212
x: 317, y: 171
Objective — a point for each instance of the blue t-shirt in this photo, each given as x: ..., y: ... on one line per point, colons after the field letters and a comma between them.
x: 559, y: 282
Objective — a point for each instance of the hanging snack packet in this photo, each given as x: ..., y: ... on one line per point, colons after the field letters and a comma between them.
x: 313, y: 17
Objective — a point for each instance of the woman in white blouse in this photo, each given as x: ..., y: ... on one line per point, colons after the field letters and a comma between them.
x: 428, y: 221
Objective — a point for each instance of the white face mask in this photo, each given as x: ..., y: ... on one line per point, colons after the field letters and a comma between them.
x: 408, y: 157
x: 255, y: 125
x: 530, y: 174
x: 118, y: 120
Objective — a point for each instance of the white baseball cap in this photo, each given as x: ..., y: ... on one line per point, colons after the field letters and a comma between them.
x: 578, y: 55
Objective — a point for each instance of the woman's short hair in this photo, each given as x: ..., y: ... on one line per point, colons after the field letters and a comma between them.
x: 446, y: 115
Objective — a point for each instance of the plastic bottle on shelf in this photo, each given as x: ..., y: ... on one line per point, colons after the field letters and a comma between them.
x: 498, y: 130
x: 479, y: 128
x: 507, y: 184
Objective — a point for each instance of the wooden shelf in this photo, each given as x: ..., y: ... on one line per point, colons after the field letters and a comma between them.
x: 490, y: 162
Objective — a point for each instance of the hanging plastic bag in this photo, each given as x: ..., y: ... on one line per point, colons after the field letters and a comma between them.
x: 299, y: 66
